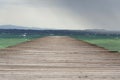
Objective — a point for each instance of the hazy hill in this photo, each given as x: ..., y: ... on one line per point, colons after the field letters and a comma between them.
x: 54, y: 31
x: 18, y: 27
x: 102, y: 31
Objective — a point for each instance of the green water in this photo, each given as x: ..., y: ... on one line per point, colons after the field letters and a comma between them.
x: 7, y: 40
x: 110, y: 43
x: 11, y: 42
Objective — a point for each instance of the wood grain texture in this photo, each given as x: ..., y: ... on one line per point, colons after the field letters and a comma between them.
x: 58, y: 58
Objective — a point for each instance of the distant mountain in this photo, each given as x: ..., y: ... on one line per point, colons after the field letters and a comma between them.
x: 19, y: 27
x: 102, y: 31
x: 96, y: 31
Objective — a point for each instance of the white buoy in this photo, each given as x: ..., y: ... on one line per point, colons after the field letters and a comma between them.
x: 24, y: 35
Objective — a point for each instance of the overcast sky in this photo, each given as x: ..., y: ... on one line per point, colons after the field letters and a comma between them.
x: 61, y: 14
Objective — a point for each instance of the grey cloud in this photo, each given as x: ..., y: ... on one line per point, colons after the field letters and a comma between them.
x: 96, y: 13
x: 100, y: 13
x: 40, y: 3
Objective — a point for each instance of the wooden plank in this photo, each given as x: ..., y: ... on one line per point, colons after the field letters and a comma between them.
x: 58, y: 58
